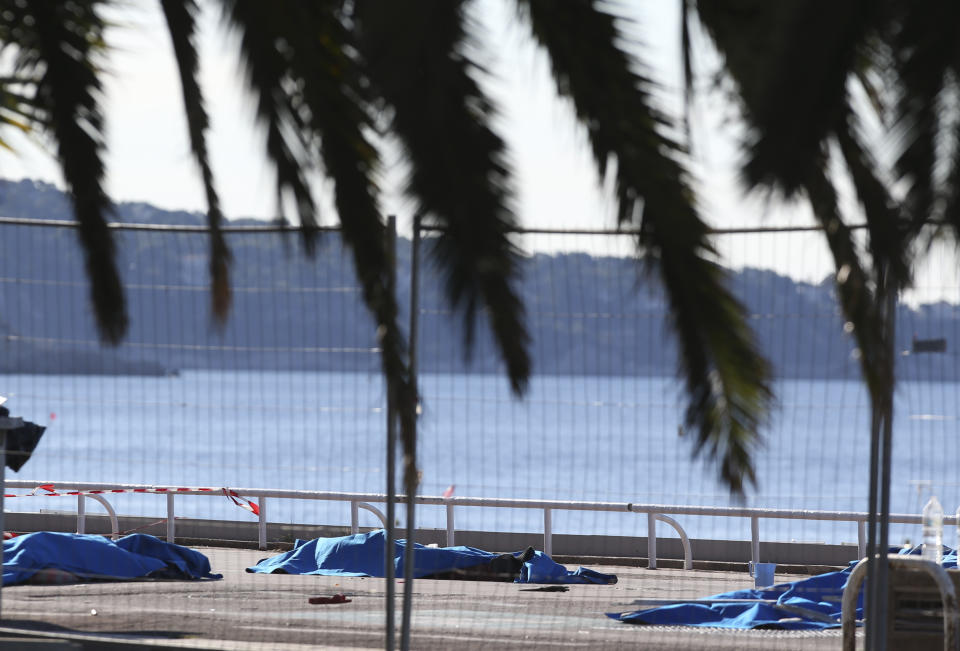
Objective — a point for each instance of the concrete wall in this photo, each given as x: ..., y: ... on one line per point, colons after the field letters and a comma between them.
x: 230, y: 532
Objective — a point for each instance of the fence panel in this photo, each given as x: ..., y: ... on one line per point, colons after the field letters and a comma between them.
x: 287, y: 396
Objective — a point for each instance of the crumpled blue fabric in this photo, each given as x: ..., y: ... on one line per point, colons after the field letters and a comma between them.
x: 822, y: 594
x: 180, y: 560
x: 543, y: 569
x: 363, y: 555
x: 91, y: 557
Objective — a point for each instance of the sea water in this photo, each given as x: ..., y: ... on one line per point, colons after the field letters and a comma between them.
x: 610, y: 439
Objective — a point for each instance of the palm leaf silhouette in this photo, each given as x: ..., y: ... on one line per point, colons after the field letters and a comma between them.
x: 796, y: 122
x: 330, y: 78
x: 58, y: 51
x: 308, y: 50
x: 182, y: 27
x: 727, y: 379
x: 417, y: 61
x: 262, y: 30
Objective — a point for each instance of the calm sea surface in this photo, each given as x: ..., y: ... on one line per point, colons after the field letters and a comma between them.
x: 579, y: 438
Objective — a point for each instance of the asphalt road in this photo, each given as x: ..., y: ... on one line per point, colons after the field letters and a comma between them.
x: 272, y: 612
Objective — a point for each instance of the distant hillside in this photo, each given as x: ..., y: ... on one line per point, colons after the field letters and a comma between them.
x: 588, y: 315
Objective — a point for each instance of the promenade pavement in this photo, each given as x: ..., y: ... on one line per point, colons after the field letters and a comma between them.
x: 272, y: 612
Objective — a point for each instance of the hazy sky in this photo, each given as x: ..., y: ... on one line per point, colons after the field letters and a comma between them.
x: 149, y: 156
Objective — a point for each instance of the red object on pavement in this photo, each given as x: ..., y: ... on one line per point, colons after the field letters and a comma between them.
x: 338, y: 598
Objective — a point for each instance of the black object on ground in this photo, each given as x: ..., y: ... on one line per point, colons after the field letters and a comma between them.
x: 21, y: 441
x: 338, y: 598
x: 547, y: 588
x: 505, y: 567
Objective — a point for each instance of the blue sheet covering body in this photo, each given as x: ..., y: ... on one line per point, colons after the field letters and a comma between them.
x: 821, y: 594
x: 363, y: 555
x: 95, y: 557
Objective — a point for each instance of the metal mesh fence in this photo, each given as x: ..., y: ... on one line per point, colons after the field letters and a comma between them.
x: 287, y: 395
x: 184, y: 400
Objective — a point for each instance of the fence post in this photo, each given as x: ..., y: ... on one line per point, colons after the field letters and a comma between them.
x: 171, y: 527
x: 651, y: 540
x: 450, y: 526
x: 755, y: 539
x: 881, y: 429
x: 390, y: 547
x: 354, y: 517
x: 861, y: 539
x: 408, y: 566
x: 262, y: 524
x: 81, y: 514
x: 548, y: 532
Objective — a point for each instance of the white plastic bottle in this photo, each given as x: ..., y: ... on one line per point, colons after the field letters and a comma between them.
x: 957, y: 548
x: 933, y: 531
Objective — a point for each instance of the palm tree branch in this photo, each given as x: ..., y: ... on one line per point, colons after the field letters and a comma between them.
x: 261, y: 29
x: 774, y: 110
x: 794, y: 95
x: 854, y: 290
x: 951, y: 211
x: 885, y: 222
x: 20, y: 109
x: 726, y: 378
x: 332, y: 99
x: 926, y: 65
x: 67, y: 92
x: 417, y: 60
x: 918, y: 129
x: 686, y: 47
x: 180, y: 16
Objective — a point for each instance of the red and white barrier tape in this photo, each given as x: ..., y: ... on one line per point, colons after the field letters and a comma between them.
x: 242, y: 502
x: 49, y: 490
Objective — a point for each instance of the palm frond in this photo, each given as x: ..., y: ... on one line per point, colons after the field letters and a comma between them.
x: 887, y: 225
x: 801, y: 133
x: 797, y: 94
x: 951, y: 210
x: 417, y: 60
x: 924, y: 43
x: 331, y: 96
x: 741, y: 30
x: 18, y: 107
x: 918, y: 128
x: 727, y: 380
x: 855, y: 294
x: 181, y: 21
x: 261, y: 28
x: 686, y: 48
x: 61, y: 47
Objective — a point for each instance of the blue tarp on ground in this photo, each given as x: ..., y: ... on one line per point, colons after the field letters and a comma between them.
x: 90, y: 557
x: 819, y: 595
x: 543, y: 569
x: 363, y: 555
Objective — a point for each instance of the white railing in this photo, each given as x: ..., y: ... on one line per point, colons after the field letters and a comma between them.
x: 655, y: 512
